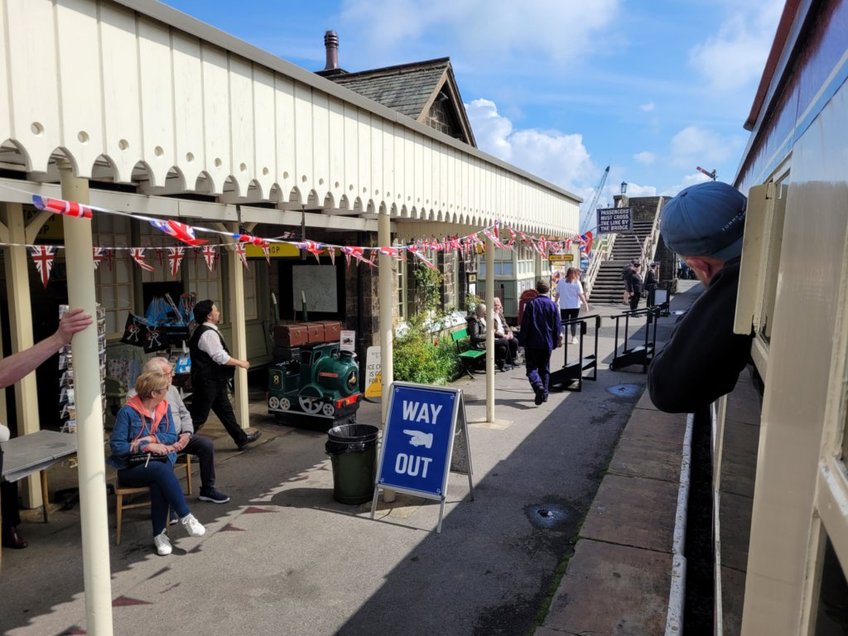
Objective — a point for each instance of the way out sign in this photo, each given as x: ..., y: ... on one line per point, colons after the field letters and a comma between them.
x: 426, y: 436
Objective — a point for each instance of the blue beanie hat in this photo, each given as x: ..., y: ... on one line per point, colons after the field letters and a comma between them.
x: 707, y: 219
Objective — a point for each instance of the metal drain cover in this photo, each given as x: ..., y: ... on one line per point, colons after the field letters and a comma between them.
x: 546, y: 517
x: 625, y: 390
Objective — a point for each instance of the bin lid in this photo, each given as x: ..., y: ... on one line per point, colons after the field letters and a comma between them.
x: 353, y: 433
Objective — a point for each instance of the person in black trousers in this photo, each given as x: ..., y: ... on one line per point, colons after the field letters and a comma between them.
x: 212, y: 369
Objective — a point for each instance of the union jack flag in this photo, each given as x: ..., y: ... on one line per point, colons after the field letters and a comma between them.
x: 241, y: 254
x: 175, y: 257
x: 491, y: 236
x: 179, y: 231
x: 100, y: 254
x: 42, y: 256
x: 137, y: 254
x: 209, y: 254
x: 60, y: 206
x: 253, y: 240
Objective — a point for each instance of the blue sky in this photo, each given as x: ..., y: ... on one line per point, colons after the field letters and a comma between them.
x: 560, y: 88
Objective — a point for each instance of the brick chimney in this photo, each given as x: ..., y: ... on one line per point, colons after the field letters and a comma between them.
x: 331, y: 43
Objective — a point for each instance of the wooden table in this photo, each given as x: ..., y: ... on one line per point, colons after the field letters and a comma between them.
x: 26, y: 454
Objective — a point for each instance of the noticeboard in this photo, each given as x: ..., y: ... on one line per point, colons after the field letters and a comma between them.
x: 426, y: 436
x: 611, y: 220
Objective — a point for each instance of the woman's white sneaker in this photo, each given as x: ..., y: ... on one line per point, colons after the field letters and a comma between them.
x: 193, y: 526
x: 162, y: 543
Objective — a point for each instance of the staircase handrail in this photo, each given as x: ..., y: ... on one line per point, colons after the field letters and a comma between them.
x: 602, y: 253
x: 649, y: 247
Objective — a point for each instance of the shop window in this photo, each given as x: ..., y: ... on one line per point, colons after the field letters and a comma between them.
x: 113, y: 278
x: 200, y: 280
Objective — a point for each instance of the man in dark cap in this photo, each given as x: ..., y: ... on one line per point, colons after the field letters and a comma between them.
x: 702, y: 361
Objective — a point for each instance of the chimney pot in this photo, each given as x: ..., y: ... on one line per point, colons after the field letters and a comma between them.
x: 331, y: 44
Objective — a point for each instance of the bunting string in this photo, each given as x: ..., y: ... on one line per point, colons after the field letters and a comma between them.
x: 466, y: 246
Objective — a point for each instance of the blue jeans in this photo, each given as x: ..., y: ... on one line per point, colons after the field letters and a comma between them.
x: 538, y: 366
x: 165, y: 490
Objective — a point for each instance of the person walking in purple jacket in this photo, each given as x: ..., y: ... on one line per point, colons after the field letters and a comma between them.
x: 541, y: 333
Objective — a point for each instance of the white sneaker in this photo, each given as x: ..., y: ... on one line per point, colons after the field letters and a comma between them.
x: 193, y: 526
x: 162, y: 543
x: 574, y: 340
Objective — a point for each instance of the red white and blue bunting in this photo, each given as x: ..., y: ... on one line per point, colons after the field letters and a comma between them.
x: 421, y: 249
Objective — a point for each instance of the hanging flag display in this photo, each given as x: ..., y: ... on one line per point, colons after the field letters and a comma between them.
x: 179, y: 231
x: 209, y: 254
x: 137, y: 254
x: 241, y: 254
x: 60, y: 206
x: 466, y: 246
x: 42, y: 256
x: 175, y: 257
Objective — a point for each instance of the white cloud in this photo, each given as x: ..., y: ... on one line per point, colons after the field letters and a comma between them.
x: 486, y: 29
x: 689, y: 179
x: 645, y: 157
x: 637, y: 190
x: 696, y: 146
x: 550, y: 154
x: 648, y: 107
x: 735, y: 56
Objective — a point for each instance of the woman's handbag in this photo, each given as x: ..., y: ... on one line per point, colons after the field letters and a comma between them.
x: 143, y: 459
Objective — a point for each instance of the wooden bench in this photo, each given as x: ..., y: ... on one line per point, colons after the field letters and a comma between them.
x: 466, y: 354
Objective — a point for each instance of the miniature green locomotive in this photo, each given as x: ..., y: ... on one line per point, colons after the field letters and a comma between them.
x: 318, y: 381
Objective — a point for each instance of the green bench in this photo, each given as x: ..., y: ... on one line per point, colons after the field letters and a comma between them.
x: 465, y: 352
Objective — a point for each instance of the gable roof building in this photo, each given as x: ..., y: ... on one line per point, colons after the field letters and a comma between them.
x: 425, y: 91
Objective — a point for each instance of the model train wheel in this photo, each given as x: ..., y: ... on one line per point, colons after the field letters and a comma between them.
x: 273, y: 402
x: 311, y: 405
x: 285, y: 404
x: 328, y: 409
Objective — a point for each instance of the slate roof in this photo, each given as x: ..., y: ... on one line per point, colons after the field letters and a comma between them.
x: 405, y: 88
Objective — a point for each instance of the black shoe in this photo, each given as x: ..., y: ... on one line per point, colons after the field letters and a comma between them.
x: 249, y: 439
x: 11, y: 539
x: 540, y: 396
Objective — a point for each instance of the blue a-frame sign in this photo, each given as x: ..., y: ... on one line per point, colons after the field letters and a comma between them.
x: 426, y: 436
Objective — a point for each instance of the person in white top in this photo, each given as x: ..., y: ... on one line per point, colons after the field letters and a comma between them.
x: 571, y: 297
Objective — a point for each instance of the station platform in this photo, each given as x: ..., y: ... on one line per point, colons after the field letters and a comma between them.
x: 573, y: 509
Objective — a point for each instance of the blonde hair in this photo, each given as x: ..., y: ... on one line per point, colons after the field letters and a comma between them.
x: 150, y: 381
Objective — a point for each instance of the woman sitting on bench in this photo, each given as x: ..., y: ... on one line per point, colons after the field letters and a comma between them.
x: 477, y: 333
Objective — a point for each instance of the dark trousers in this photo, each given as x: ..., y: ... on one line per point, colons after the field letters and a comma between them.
x: 212, y: 394
x: 538, y: 364
x: 9, y: 498
x: 165, y: 490
x: 570, y: 314
x: 511, y: 345
x: 204, y: 450
x: 634, y: 300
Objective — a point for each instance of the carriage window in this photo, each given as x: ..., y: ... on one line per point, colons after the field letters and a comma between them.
x: 772, y: 257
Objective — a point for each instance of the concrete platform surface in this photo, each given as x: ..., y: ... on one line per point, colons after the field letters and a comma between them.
x: 282, y: 557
